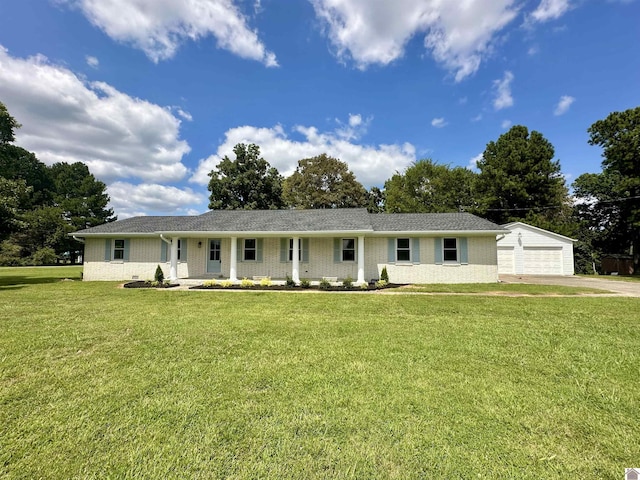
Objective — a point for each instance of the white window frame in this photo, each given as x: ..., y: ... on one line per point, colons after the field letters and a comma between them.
x: 253, y: 249
x: 115, y: 248
x: 403, y: 249
x: 291, y: 249
x: 446, y: 249
x: 344, y: 249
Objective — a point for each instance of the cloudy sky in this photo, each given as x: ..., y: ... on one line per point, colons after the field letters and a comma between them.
x: 151, y: 94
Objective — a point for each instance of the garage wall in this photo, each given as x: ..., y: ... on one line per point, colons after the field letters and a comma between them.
x: 529, y: 250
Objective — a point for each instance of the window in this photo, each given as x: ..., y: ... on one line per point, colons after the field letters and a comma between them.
x: 403, y: 250
x: 348, y: 249
x: 291, y: 249
x: 179, y: 249
x: 450, y: 249
x: 118, y: 249
x: 249, y: 249
x: 214, y: 250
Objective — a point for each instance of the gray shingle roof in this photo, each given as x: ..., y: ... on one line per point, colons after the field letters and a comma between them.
x: 329, y: 220
x: 430, y: 222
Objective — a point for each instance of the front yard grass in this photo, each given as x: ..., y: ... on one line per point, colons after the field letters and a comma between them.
x: 101, y: 382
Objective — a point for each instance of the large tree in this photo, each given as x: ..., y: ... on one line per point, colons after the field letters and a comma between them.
x: 619, y: 201
x: 429, y: 187
x: 323, y: 182
x: 248, y: 182
x: 519, y: 180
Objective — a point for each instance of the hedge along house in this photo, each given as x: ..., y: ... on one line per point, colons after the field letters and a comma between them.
x: 312, y: 244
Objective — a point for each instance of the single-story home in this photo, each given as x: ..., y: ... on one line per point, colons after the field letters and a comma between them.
x: 530, y: 250
x: 302, y: 244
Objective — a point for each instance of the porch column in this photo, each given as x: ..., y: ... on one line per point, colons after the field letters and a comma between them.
x: 295, y: 274
x: 173, y: 269
x: 233, y: 261
x: 360, y: 260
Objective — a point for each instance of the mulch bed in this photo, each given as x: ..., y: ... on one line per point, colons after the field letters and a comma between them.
x: 145, y: 284
x: 337, y: 288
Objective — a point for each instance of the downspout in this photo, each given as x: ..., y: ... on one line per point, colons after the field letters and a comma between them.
x: 77, y: 239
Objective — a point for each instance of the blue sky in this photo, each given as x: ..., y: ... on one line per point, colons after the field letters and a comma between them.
x: 151, y: 94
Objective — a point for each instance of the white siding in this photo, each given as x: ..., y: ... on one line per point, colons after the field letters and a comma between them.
x: 506, y: 260
x: 145, y: 255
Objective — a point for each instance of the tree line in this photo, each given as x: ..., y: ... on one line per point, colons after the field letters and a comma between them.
x: 40, y: 205
x: 518, y: 179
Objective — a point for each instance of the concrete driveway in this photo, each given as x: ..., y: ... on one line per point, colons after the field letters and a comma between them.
x: 621, y: 287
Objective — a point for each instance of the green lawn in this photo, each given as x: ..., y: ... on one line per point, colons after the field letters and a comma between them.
x: 102, y: 382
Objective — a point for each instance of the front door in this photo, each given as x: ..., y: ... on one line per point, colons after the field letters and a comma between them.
x: 213, y: 258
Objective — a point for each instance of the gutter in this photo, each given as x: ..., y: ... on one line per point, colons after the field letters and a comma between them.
x: 168, y: 242
x: 77, y: 239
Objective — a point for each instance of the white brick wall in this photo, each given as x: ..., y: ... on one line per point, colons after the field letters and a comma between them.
x: 144, y: 256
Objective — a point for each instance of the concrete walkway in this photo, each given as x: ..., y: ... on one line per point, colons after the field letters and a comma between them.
x: 621, y: 287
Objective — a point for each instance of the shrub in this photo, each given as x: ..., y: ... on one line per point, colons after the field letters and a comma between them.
x: 304, y: 283
x: 159, y: 275
x: 210, y: 283
x: 289, y: 282
x: 364, y: 286
x: 226, y: 284
x: 384, y: 276
x: 347, y: 282
x: 9, y: 253
x: 324, y: 284
x: 44, y: 256
x: 381, y: 284
x: 266, y: 282
x: 246, y: 283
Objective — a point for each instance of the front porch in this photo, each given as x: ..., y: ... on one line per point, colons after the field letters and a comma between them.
x: 297, y: 258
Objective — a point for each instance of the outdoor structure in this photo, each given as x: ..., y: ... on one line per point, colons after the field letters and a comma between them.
x: 617, y: 264
x: 530, y: 250
x: 302, y: 244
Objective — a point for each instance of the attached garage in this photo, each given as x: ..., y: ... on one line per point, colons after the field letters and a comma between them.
x: 530, y: 250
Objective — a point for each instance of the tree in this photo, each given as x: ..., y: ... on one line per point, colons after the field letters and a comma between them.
x: 428, y: 187
x: 519, y: 180
x: 248, y: 182
x: 323, y: 182
x: 12, y: 194
x: 16, y: 163
x: 7, y: 125
x: 375, y: 200
x: 619, y: 137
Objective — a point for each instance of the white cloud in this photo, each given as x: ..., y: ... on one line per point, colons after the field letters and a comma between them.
x: 158, y: 27
x: 506, y: 124
x: 66, y: 119
x: 354, y: 129
x: 503, y: 97
x: 533, y: 50
x: 131, y: 200
x: 563, y: 105
x: 185, y: 115
x: 548, y: 10
x: 372, y: 165
x: 459, y: 35
x: 93, y: 62
x: 438, y: 122
x: 473, y: 163
x: 477, y: 118
x: 355, y: 120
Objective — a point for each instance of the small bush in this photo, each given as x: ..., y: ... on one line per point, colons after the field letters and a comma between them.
x: 159, y: 275
x: 347, y: 282
x: 226, y: 284
x: 304, y: 283
x: 324, y: 284
x: 266, y: 282
x: 384, y: 276
x: 381, y: 284
x: 289, y: 282
x: 210, y: 283
x: 364, y: 286
x: 246, y: 283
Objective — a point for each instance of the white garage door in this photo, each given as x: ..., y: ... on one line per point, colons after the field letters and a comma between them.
x: 506, y: 261
x: 543, y: 261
